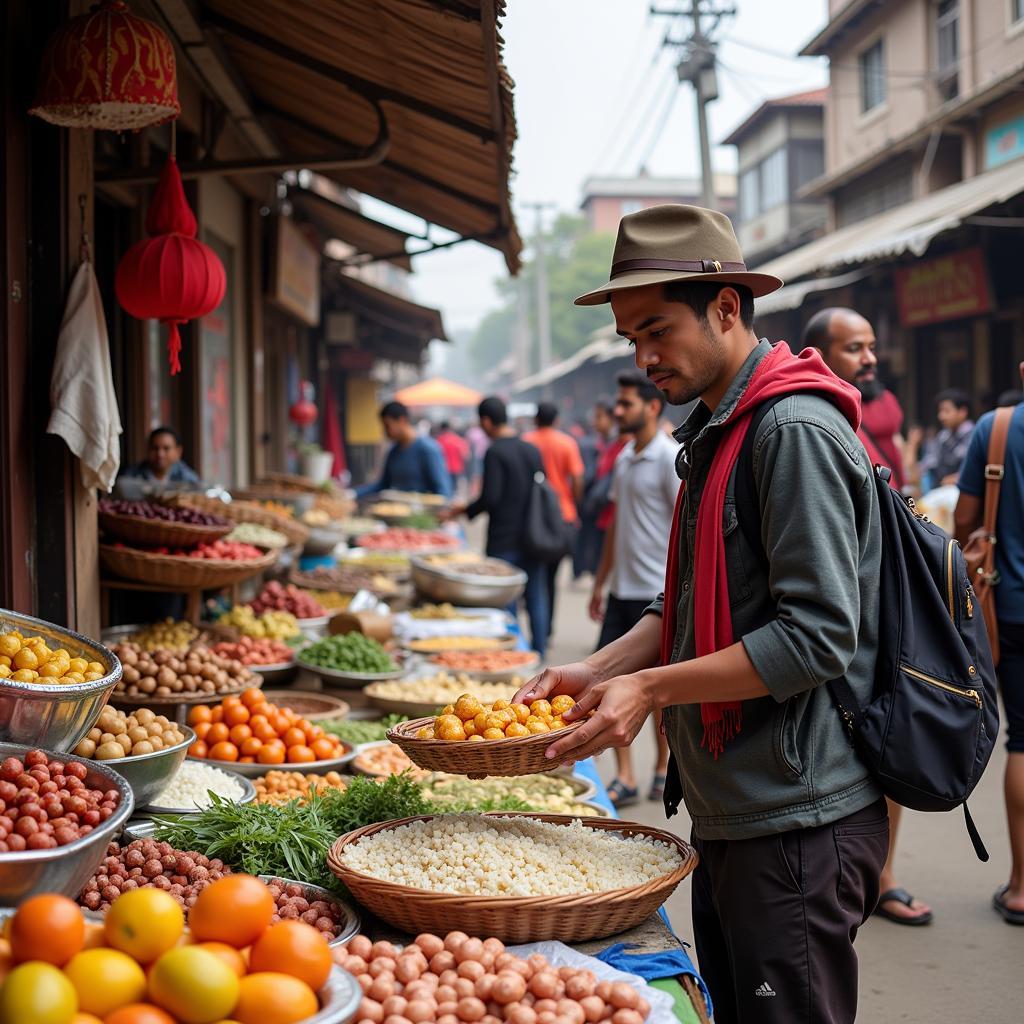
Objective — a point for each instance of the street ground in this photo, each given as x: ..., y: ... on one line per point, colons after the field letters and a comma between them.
x: 967, y: 965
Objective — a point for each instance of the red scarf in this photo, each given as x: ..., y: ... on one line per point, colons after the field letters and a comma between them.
x: 779, y: 373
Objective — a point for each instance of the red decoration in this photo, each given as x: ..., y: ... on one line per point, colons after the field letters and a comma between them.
x: 172, y: 276
x: 107, y: 69
x: 304, y: 413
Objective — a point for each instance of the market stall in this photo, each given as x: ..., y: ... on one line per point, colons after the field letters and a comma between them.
x: 157, y: 782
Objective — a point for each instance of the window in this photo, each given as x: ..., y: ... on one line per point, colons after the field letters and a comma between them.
x: 1016, y: 10
x: 807, y: 162
x: 887, y: 188
x: 750, y: 188
x: 773, y: 179
x: 947, y: 24
x: 872, y: 76
x: 631, y: 206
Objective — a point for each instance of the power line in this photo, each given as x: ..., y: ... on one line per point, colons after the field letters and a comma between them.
x: 643, y: 120
x: 659, y: 128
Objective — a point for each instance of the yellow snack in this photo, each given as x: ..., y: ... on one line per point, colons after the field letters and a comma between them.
x: 557, y: 723
x: 522, y: 713
x: 26, y: 659
x: 9, y: 644
x: 4, y: 671
x: 475, y: 738
x: 469, y: 727
x: 538, y: 727
x: 78, y: 665
x: 480, y: 721
x: 540, y: 707
x: 467, y: 707
x: 24, y: 675
x: 561, y: 703
x: 449, y: 727
x: 448, y: 709
x: 516, y: 729
x: 425, y: 733
x: 494, y: 734
x: 500, y: 705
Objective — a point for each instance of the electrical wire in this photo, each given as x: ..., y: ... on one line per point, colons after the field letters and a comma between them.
x: 643, y: 120
x: 659, y: 128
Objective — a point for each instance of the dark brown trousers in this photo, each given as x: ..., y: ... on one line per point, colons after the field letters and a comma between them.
x: 774, y: 919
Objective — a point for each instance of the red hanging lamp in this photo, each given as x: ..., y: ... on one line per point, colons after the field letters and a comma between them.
x: 171, y: 276
x: 107, y: 69
x: 304, y: 412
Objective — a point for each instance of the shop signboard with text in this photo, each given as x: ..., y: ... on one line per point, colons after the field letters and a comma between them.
x: 295, y: 281
x: 948, y: 287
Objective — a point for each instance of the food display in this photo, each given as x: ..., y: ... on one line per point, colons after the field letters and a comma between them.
x: 279, y: 508
x: 288, y: 598
x: 359, y: 731
x: 483, y: 661
x: 444, y: 611
x: 467, y: 563
x: 355, y: 526
x: 442, y: 688
x: 117, y: 735
x: 346, y: 581
x: 191, y: 786
x: 330, y: 600
x: 436, y: 644
x: 169, y: 635
x: 316, y: 517
x: 469, y: 719
x: 401, y: 539
x: 140, y: 966
x: 218, y: 551
x: 415, y: 497
x: 247, y: 729
x: 165, y: 674
x: 514, y: 856
x: 257, y: 535
x: 550, y: 794
x: 459, y: 978
x: 254, y: 652
x: 390, y: 509
x: 28, y: 659
x: 349, y: 652
x: 376, y: 562
x: 269, y: 625
x: 278, y: 787
x: 165, y: 513
x: 386, y: 759
x: 292, y: 902
x: 48, y: 804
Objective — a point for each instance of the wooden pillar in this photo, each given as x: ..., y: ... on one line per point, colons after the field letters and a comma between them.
x: 253, y: 256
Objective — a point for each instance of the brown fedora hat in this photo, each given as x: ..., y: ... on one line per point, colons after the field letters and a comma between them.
x: 677, y: 243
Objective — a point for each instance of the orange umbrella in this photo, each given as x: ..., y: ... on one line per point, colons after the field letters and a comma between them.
x: 438, y: 391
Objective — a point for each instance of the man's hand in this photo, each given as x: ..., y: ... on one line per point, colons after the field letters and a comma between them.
x: 573, y: 679
x: 597, y: 604
x: 446, y: 515
x: 620, y: 705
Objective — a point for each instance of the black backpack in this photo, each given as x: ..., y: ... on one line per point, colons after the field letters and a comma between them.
x: 546, y: 536
x: 928, y: 730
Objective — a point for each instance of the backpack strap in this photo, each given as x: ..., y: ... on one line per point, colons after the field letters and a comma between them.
x: 995, y: 469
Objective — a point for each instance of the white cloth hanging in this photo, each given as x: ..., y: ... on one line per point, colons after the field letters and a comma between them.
x: 82, y: 399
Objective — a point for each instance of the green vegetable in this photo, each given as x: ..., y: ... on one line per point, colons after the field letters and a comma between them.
x: 350, y: 652
x: 357, y: 732
x: 419, y: 521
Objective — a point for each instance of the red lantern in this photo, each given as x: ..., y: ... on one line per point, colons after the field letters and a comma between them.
x: 171, y: 277
x: 304, y: 413
x: 107, y: 69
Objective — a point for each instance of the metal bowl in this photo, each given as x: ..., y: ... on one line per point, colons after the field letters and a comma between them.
x: 65, y: 869
x: 228, y: 768
x: 278, y: 673
x: 441, y: 585
x: 352, y: 922
x: 244, y: 772
x: 147, y: 774
x: 316, y: 628
x: 501, y: 675
x: 323, y: 540
x: 349, y: 680
x: 54, y: 716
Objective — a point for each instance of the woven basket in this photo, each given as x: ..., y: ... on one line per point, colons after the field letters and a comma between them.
x: 321, y: 706
x: 180, y: 570
x: 522, y: 755
x: 578, y: 917
x: 248, y: 512
x: 158, y: 532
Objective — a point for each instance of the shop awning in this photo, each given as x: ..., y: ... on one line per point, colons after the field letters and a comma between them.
x: 437, y: 391
x: 907, y: 228
x: 425, y: 77
x: 390, y: 311
x: 792, y: 296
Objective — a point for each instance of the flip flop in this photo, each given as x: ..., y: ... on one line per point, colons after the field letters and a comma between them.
x: 1008, y: 914
x: 904, y: 897
x: 622, y: 795
x: 657, y: 790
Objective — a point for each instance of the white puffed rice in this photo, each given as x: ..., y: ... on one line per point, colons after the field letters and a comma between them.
x: 508, y: 857
x: 189, y: 787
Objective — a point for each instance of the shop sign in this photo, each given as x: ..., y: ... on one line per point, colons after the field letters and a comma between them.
x: 946, y: 288
x: 354, y: 359
x: 295, y: 281
x: 1004, y: 143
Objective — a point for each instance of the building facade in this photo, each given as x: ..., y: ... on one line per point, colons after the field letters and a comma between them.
x: 607, y: 200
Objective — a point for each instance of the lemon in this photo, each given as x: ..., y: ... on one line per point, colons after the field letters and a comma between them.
x: 105, y: 980
x: 193, y: 985
x: 37, y: 993
x: 144, y: 923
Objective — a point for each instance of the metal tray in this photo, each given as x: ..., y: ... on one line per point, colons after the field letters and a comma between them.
x: 254, y: 771
x: 248, y: 789
x: 524, y: 671
x: 352, y: 922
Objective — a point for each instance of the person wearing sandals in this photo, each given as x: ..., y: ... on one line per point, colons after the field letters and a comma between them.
x: 643, y: 494
x: 1008, y: 900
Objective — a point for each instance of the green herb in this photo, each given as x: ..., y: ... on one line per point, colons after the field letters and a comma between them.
x: 349, y: 652
x: 366, y: 801
x: 357, y: 732
x: 419, y: 521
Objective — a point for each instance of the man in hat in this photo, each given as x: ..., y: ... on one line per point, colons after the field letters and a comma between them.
x: 789, y: 825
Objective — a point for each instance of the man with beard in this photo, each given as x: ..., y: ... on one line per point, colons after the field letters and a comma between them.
x: 643, y: 495
x: 789, y: 824
x: 847, y: 344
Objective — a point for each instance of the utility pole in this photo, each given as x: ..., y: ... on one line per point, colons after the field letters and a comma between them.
x: 543, y: 298
x: 697, y: 66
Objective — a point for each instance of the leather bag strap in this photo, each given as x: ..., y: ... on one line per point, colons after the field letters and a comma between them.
x: 995, y: 468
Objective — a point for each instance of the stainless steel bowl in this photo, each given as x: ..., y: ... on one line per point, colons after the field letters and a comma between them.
x: 147, y: 774
x: 54, y: 716
x: 442, y: 584
x: 350, y: 925
x: 66, y: 869
x: 248, y: 789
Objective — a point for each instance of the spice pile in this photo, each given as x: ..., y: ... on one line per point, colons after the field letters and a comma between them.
x: 116, y: 735
x: 163, y: 673
x: 483, y: 661
x: 350, y: 652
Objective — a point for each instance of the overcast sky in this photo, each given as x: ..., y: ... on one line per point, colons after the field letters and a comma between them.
x: 595, y: 93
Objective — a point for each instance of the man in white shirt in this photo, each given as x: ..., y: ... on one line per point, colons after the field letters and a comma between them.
x: 643, y: 491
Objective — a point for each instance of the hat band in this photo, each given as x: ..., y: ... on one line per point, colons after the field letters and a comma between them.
x: 683, y: 266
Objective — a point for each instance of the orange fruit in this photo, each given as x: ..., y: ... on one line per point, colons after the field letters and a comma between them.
x: 268, y: 997
x: 262, y: 708
x: 293, y: 737
x: 237, y: 714
x: 199, y: 749
x: 295, y: 948
x: 199, y: 715
x: 247, y: 759
x: 144, y: 923
x: 300, y: 754
x: 233, y: 700
x: 193, y: 985
x: 105, y: 979
x: 216, y: 714
x: 227, y: 953
x: 251, y: 696
x: 139, y: 1013
x: 49, y: 928
x: 270, y: 754
x: 223, y: 751
x: 239, y: 734
x: 235, y: 909
x: 85, y: 1018
x: 323, y: 749
x: 202, y: 729
x: 251, y: 746
x: 217, y: 733
x: 261, y: 728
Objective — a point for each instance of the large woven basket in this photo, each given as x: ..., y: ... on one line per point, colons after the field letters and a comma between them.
x: 179, y: 570
x: 248, y: 512
x: 159, y: 532
x: 576, y: 917
x: 522, y: 755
